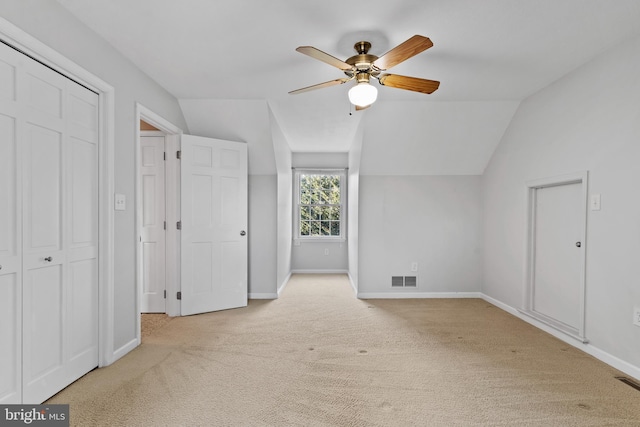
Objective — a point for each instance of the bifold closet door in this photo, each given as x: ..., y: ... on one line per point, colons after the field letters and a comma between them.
x: 56, y: 206
x: 10, y: 233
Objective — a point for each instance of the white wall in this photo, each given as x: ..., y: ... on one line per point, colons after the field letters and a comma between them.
x: 588, y: 120
x: 262, y: 236
x: 353, y: 206
x: 50, y: 23
x: 432, y: 138
x: 435, y: 221
x: 284, y: 209
x: 318, y: 256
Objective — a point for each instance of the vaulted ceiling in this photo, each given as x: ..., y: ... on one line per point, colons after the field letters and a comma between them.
x: 229, y: 61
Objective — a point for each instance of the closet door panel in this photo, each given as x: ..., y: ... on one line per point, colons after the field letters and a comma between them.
x: 10, y: 335
x: 81, y: 229
x: 44, y: 303
x: 10, y: 236
x: 43, y: 190
x: 44, y: 264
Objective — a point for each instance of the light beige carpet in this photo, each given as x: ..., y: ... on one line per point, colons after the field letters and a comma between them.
x: 151, y: 322
x: 320, y: 357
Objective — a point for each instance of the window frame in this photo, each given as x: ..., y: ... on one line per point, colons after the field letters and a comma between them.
x: 342, y: 173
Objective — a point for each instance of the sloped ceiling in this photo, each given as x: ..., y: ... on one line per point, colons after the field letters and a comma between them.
x: 229, y: 61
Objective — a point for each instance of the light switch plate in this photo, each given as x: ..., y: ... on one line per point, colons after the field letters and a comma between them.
x: 120, y: 202
x: 595, y: 202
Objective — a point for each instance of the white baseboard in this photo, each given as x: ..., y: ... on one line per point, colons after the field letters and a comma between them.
x: 263, y: 295
x: 283, y: 284
x: 415, y: 295
x: 603, y: 356
x: 117, y: 354
x: 353, y: 284
x: 319, y: 272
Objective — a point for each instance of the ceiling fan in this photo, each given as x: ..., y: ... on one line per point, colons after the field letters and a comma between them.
x: 363, y: 66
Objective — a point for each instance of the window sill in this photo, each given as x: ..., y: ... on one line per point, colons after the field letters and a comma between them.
x: 299, y: 240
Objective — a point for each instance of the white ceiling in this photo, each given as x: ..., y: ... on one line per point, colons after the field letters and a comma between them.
x: 484, y: 51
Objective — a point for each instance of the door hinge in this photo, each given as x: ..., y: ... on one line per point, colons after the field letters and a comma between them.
x: 165, y: 225
x: 164, y: 156
x: 165, y: 294
x: 179, y: 295
x: 179, y: 225
x: 178, y: 154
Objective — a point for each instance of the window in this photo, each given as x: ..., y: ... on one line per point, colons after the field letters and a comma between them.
x: 320, y: 204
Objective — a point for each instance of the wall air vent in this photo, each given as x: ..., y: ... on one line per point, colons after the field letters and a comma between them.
x: 397, y: 281
x: 404, y: 282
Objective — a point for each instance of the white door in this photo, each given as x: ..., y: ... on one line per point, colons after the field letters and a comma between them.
x: 214, y: 224
x: 152, y: 149
x: 558, y: 253
x: 48, y: 230
x: 10, y: 235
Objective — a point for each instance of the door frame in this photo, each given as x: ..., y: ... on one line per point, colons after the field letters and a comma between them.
x: 580, y: 177
x: 172, y: 197
x: 29, y: 45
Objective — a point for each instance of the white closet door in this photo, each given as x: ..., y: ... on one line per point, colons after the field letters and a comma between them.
x: 10, y: 238
x: 60, y: 237
x: 558, y: 253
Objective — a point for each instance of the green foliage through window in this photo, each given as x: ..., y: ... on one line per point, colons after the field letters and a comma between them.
x: 320, y: 205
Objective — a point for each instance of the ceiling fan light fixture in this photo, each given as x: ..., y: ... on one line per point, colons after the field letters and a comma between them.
x: 363, y: 94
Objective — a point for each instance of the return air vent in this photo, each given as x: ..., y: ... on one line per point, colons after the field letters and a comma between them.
x: 397, y: 281
x: 404, y: 281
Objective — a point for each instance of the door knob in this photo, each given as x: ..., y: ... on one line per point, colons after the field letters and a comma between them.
x: 48, y: 259
x: 242, y: 233
x: 578, y: 244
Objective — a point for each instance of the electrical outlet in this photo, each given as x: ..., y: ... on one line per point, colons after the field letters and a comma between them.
x: 326, y: 251
x: 414, y: 266
x: 636, y: 316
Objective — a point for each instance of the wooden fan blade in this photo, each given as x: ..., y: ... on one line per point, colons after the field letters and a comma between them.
x: 402, y: 52
x: 409, y: 83
x: 359, y: 108
x: 324, y: 57
x: 321, y: 85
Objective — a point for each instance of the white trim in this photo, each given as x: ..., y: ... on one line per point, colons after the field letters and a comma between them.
x: 417, y: 295
x: 319, y: 272
x: 263, y: 296
x: 28, y: 44
x: 284, y: 284
x: 576, y: 342
x: 581, y: 177
x: 122, y: 351
x: 172, y: 135
x: 353, y: 283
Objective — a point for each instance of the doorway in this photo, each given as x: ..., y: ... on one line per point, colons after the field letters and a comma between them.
x: 157, y: 195
x: 210, y: 223
x: 555, y: 285
x: 154, y: 222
